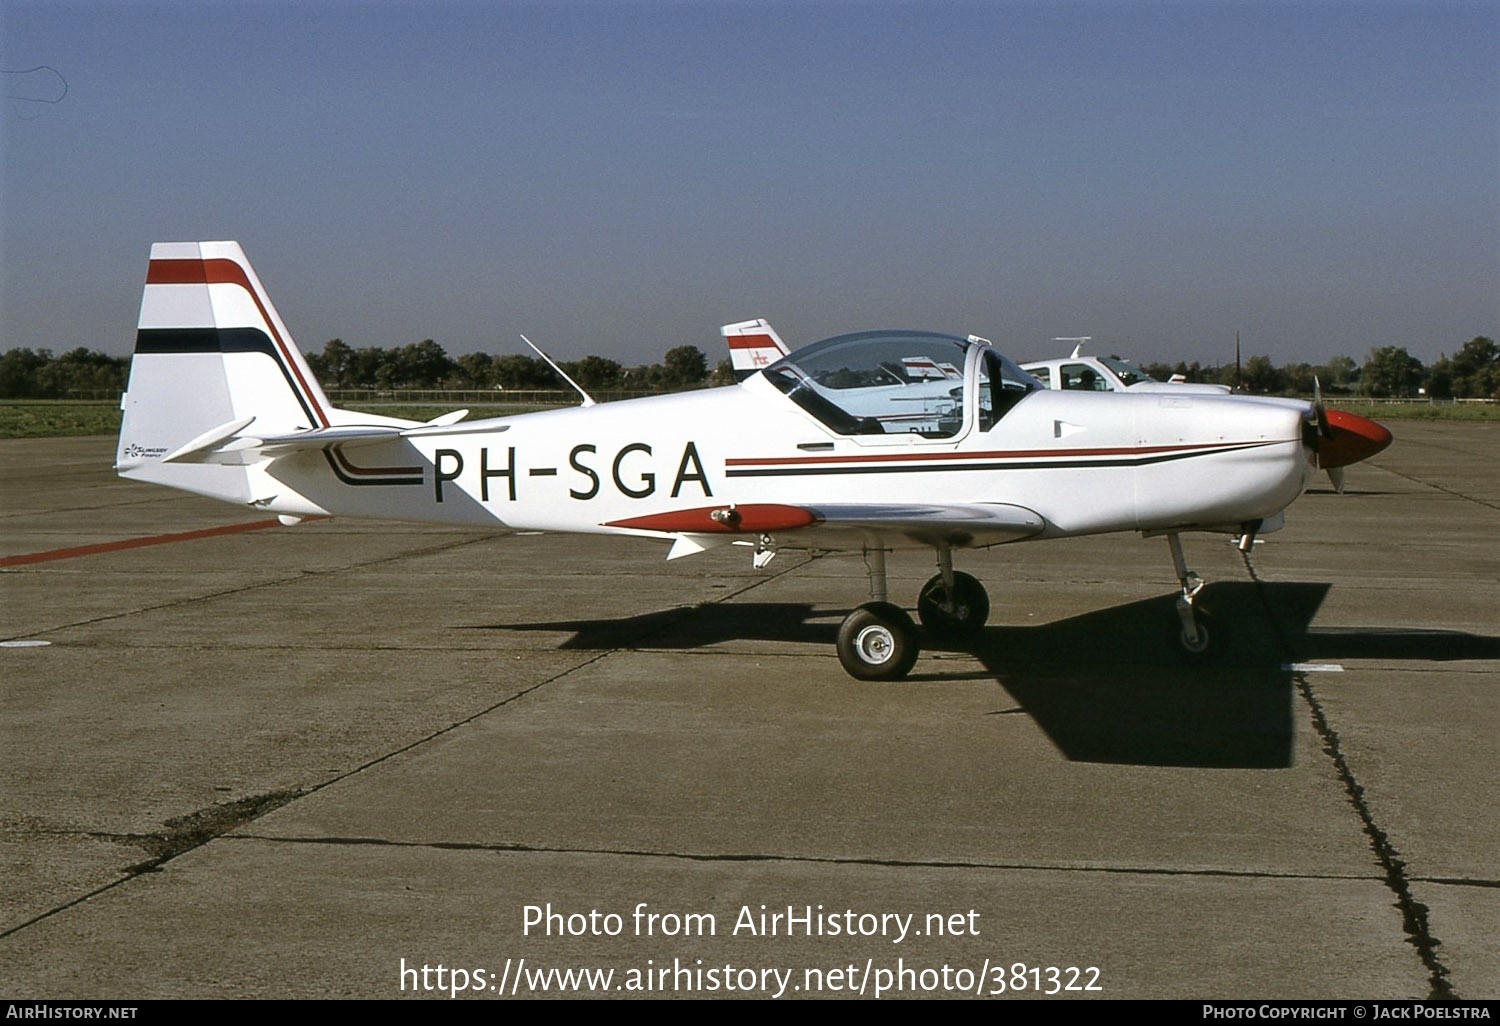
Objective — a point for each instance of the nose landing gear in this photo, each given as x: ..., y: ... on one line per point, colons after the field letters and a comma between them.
x: 953, y: 606
x: 1198, y: 633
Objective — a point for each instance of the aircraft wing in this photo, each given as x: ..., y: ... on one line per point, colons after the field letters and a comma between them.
x: 957, y: 524
x: 845, y: 525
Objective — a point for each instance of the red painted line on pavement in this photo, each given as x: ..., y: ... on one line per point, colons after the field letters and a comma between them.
x: 136, y: 543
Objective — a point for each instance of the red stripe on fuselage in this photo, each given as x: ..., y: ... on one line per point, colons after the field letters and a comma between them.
x: 220, y: 271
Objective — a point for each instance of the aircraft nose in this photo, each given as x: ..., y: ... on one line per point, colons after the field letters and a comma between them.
x: 1350, y: 438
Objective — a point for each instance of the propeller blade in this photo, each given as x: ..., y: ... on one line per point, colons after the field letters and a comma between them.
x: 1319, y: 410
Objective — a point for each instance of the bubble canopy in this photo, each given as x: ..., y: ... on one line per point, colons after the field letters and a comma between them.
x: 901, y: 382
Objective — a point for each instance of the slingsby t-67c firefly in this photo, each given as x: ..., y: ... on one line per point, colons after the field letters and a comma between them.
x: 867, y: 442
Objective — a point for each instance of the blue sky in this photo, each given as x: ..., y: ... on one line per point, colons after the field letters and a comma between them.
x: 620, y: 178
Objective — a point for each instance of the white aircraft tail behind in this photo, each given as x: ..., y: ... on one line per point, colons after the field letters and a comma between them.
x: 753, y: 345
x: 212, y: 357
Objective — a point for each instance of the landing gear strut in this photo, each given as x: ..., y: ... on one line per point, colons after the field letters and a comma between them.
x: 880, y: 641
x: 952, y: 606
x: 1197, y: 633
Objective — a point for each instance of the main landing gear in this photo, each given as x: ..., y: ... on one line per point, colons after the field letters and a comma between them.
x: 879, y: 640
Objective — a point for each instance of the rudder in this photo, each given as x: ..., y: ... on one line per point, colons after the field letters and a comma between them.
x: 210, y: 351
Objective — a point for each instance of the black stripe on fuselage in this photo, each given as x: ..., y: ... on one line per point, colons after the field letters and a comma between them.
x: 163, y: 341
x: 923, y: 468
x: 401, y: 475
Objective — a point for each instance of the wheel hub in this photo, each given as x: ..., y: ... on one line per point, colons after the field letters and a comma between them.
x: 875, y: 644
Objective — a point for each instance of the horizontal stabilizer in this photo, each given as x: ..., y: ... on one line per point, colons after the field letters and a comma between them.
x: 344, y: 434
x: 447, y: 418
x: 493, y: 425
x: 223, y: 445
x: 217, y: 446
x: 208, y: 440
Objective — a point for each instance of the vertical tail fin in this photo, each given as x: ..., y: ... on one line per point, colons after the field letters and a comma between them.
x: 211, y: 353
x: 753, y: 345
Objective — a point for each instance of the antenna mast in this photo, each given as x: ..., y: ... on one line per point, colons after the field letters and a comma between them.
x: 1080, y: 340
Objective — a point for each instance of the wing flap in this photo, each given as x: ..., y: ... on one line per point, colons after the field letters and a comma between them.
x: 960, y: 525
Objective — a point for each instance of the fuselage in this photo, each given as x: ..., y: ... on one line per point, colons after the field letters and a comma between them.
x: 1086, y: 463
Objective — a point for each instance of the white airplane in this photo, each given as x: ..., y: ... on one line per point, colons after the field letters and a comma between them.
x: 221, y: 403
x: 1108, y: 374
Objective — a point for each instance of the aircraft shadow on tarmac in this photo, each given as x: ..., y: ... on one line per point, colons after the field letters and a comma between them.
x: 1347, y: 491
x: 1107, y: 686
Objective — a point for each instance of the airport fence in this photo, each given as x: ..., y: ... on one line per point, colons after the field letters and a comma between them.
x: 1417, y: 401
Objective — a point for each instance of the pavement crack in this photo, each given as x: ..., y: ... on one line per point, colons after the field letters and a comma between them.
x: 521, y: 847
x: 1413, y: 913
x: 290, y: 578
x: 182, y: 834
x: 1441, y: 488
x: 99, y: 507
x: 136, y: 611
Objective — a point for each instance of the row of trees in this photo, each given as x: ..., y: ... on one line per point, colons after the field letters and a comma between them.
x: 1471, y: 373
x: 37, y: 374
x: 1388, y: 372
x: 425, y: 365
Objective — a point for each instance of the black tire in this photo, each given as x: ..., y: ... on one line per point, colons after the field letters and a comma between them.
x: 966, y: 618
x: 878, y: 641
x: 1212, y: 638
